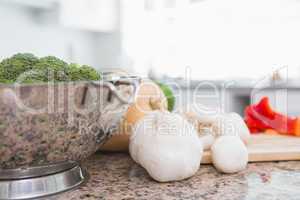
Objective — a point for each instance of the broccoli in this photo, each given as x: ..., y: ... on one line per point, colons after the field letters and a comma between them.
x: 11, y: 68
x: 33, y: 76
x: 73, y: 71
x: 54, y: 68
x: 83, y: 73
x: 26, y: 68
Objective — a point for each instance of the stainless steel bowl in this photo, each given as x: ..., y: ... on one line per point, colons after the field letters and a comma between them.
x: 50, y: 128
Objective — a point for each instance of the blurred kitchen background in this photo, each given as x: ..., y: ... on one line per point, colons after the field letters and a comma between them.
x: 250, y: 46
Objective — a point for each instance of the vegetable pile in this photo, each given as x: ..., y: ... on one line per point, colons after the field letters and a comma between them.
x: 27, y: 68
x: 261, y: 117
x: 170, y: 147
x: 149, y: 98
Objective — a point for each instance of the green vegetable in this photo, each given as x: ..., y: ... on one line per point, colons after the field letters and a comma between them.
x: 83, y: 73
x: 54, y: 69
x: 26, y: 68
x: 33, y: 76
x: 11, y: 68
x: 168, y: 94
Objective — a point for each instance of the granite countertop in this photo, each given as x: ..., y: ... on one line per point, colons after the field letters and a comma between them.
x: 116, y: 176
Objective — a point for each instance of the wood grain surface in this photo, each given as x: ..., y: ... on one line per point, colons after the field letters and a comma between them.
x: 262, y: 147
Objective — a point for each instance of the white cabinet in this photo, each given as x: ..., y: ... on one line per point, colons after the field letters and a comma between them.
x: 37, y: 4
x: 93, y: 15
x: 90, y: 15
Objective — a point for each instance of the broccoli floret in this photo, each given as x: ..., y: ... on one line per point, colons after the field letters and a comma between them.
x: 11, y: 68
x: 55, y: 69
x: 6, y: 81
x: 83, y: 73
x: 33, y: 76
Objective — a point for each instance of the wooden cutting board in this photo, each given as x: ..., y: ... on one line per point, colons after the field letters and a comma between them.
x: 264, y: 147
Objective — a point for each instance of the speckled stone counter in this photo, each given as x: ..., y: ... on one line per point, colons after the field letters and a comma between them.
x: 116, y: 176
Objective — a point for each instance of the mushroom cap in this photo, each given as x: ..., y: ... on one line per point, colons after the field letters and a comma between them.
x: 229, y: 154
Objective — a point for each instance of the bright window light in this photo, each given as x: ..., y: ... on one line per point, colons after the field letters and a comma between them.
x: 217, y: 39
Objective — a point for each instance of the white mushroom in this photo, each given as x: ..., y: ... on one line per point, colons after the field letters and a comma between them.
x: 233, y: 124
x: 229, y: 154
x: 167, y: 146
x: 210, y: 127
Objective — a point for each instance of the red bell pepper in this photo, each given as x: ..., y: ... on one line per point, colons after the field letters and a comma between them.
x: 260, y: 117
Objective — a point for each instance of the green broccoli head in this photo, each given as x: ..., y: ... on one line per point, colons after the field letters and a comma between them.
x: 32, y: 76
x: 73, y: 71
x: 11, y: 68
x: 55, y: 69
x: 6, y: 81
x: 83, y: 73
x: 26, y: 68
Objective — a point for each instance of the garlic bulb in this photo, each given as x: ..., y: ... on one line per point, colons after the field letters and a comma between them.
x: 167, y: 146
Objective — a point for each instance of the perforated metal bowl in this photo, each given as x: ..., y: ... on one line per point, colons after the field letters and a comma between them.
x: 50, y: 128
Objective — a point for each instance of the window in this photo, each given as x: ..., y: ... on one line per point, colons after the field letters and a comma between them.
x: 217, y: 39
